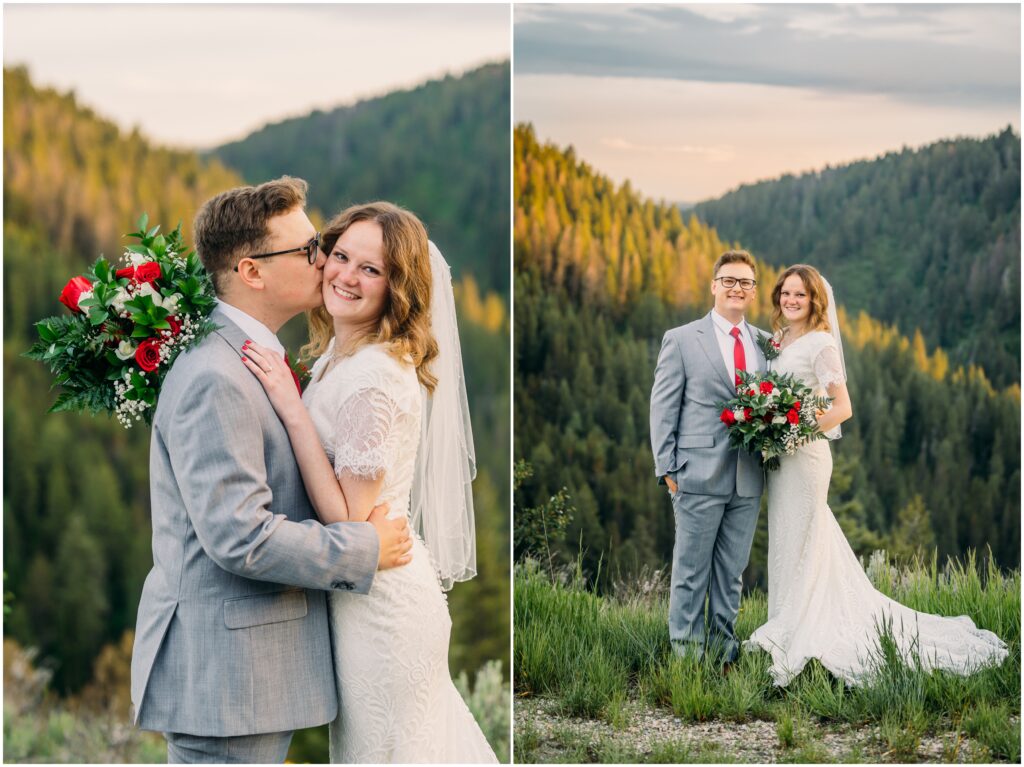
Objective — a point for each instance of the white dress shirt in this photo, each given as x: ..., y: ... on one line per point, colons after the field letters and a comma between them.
x: 254, y: 329
x: 727, y: 344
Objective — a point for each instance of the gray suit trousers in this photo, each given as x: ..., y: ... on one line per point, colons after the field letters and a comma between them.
x: 267, y: 748
x: 713, y: 539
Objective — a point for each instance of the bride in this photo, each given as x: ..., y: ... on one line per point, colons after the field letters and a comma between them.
x: 820, y: 602
x: 385, y: 420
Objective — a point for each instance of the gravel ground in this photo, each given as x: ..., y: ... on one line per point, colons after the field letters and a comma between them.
x: 553, y: 737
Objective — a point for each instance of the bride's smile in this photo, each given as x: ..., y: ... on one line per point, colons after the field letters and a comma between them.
x: 355, y: 278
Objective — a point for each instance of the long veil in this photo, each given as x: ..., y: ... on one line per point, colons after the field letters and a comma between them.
x: 442, y: 492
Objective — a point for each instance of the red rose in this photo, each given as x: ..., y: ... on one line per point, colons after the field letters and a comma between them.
x: 727, y: 417
x: 147, y: 272
x: 73, y: 291
x: 752, y: 392
x: 148, y: 355
x: 747, y: 412
x: 767, y: 387
x: 793, y: 416
x: 796, y: 405
x: 175, y: 325
x: 128, y: 271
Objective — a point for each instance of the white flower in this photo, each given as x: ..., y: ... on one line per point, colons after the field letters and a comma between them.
x: 136, y: 259
x: 120, y: 298
x: 125, y: 350
x: 84, y: 295
x: 170, y: 303
x: 779, y: 419
x: 740, y: 415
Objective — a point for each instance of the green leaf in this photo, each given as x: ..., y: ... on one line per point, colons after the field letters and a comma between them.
x: 46, y: 333
x: 141, y: 331
x: 153, y: 231
x: 143, y: 222
x: 159, y: 245
x: 102, y: 269
x: 142, y: 250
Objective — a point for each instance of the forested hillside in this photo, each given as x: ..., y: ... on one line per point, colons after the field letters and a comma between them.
x: 927, y: 239
x: 440, y: 149
x: 931, y: 455
x: 76, y: 494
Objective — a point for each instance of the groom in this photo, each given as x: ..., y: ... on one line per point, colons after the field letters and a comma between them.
x: 716, y: 489
x: 232, y: 651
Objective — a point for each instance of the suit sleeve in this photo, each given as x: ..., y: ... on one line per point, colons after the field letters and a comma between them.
x: 666, y: 401
x: 216, y: 452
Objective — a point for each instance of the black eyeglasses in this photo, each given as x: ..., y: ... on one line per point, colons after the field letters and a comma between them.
x: 311, y: 249
x: 730, y: 282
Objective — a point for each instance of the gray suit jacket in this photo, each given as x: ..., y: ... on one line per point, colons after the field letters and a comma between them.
x: 689, y: 441
x: 232, y: 635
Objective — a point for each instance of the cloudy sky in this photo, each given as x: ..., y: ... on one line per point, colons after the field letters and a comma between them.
x: 199, y: 75
x: 689, y: 101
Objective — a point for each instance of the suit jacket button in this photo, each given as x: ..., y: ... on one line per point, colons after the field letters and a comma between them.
x: 348, y: 585
x: 336, y: 584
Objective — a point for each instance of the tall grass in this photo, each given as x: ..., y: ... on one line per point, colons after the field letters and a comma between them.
x: 590, y: 653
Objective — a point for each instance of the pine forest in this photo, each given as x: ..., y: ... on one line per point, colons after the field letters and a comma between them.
x: 930, y: 460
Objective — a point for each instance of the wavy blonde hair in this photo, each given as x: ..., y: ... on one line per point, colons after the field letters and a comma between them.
x: 404, y: 324
x: 817, y: 319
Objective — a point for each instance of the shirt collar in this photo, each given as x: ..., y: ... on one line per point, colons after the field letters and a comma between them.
x: 724, y: 325
x: 254, y: 329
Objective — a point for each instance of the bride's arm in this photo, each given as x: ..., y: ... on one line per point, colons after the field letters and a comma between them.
x: 841, y: 410
x: 350, y: 499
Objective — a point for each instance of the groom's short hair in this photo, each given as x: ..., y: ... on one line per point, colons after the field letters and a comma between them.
x: 735, y: 257
x: 233, y: 224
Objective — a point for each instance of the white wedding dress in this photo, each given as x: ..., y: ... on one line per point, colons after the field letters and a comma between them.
x: 398, y: 702
x: 821, y: 603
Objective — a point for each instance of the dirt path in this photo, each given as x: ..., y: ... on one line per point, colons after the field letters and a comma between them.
x: 542, y: 735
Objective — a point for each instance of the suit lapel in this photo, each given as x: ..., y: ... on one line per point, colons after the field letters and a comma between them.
x: 708, y: 341
x: 762, y: 362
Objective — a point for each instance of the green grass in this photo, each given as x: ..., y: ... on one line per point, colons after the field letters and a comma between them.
x: 592, y: 654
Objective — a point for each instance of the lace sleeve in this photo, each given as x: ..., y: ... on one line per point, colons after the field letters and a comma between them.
x: 362, y: 444
x: 828, y: 367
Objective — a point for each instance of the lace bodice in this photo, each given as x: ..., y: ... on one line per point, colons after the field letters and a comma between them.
x: 814, y: 359
x: 366, y: 410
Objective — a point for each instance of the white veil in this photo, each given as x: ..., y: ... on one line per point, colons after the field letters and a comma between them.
x: 442, y: 492
x: 833, y: 320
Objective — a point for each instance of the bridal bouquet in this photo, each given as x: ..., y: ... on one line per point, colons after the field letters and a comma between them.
x: 126, y: 326
x: 773, y: 414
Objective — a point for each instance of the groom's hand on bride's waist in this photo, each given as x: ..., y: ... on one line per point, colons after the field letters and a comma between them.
x: 395, y: 540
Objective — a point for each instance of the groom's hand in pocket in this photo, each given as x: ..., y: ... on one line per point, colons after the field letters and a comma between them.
x: 395, y: 540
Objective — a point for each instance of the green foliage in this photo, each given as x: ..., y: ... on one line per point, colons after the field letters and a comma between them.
x: 540, y: 530
x: 39, y: 728
x: 903, y: 235
x: 555, y: 621
x: 600, y: 275
x: 489, y: 702
x: 440, y: 149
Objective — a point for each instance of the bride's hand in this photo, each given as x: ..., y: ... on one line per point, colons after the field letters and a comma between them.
x: 270, y: 370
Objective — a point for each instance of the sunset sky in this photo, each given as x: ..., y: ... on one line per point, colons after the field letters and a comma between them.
x: 690, y: 101
x: 200, y: 75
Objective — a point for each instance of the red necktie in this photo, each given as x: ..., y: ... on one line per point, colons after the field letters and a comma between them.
x: 296, y: 378
x: 737, y: 354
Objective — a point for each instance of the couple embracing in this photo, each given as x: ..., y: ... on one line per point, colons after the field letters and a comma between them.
x: 821, y: 604
x: 287, y: 590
